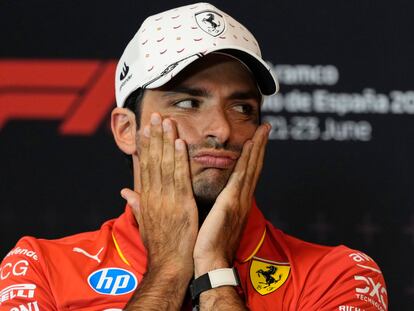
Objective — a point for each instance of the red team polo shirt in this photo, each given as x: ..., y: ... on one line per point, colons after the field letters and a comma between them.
x: 100, y: 270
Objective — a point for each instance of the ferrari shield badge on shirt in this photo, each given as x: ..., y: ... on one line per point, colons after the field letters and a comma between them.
x: 267, y: 276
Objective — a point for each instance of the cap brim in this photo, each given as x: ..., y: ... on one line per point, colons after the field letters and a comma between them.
x: 266, y: 79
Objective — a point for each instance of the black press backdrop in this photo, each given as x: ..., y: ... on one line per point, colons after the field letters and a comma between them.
x: 339, y: 167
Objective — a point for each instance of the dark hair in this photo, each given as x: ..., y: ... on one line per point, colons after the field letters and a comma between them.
x: 133, y: 103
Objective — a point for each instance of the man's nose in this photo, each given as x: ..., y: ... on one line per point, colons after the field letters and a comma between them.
x: 217, y: 125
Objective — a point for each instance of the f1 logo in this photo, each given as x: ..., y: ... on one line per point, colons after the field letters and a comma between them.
x: 79, y: 93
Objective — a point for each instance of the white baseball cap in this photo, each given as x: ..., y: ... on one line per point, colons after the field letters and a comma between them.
x: 168, y: 42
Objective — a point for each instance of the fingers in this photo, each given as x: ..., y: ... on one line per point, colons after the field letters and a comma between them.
x: 246, y: 168
x: 182, y: 178
x: 262, y: 151
x: 237, y: 177
x: 131, y: 197
x: 242, y: 181
x: 163, y: 220
x: 155, y: 153
x: 164, y: 164
x: 133, y: 200
x: 255, y: 162
x: 168, y: 156
x: 143, y: 160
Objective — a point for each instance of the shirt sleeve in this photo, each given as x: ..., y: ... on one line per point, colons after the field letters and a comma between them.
x: 23, y: 281
x: 345, y: 280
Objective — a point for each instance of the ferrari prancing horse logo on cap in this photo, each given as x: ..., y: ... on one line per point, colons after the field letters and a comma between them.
x: 211, y: 22
x: 267, y: 276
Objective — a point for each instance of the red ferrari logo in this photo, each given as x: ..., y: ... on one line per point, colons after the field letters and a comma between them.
x: 80, y: 93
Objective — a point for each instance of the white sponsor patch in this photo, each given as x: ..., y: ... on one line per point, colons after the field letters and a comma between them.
x: 17, y: 291
x: 17, y: 269
x: 23, y: 251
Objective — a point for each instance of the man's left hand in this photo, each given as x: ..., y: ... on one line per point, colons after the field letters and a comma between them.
x: 218, y: 238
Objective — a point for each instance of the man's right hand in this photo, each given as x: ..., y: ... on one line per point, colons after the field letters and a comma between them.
x: 165, y: 209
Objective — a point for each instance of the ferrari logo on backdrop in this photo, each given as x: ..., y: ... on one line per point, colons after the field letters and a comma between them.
x: 267, y: 276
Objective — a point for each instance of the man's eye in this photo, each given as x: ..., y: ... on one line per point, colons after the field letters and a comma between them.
x: 187, y: 104
x: 243, y: 108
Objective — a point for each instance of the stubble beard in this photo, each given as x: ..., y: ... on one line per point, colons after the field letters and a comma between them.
x: 208, y: 184
x: 206, y: 189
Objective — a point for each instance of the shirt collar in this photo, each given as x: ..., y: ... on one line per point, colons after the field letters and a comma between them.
x: 253, y: 235
x: 128, y: 241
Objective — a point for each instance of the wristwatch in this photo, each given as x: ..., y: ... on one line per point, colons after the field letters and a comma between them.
x: 213, y: 279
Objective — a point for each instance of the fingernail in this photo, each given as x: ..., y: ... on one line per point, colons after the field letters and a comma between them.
x: 179, y: 144
x: 166, y: 125
x: 155, y: 119
x: 123, y: 194
x: 147, y: 131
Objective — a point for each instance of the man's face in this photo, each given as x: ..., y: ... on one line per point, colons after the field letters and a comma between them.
x: 215, y: 105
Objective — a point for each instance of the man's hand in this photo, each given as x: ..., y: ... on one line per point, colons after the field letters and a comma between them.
x: 219, y: 236
x: 167, y: 216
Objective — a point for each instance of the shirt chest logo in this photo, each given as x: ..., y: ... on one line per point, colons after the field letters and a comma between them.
x: 267, y: 276
x: 94, y: 257
x: 112, y: 281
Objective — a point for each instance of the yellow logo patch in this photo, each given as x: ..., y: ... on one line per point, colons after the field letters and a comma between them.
x: 267, y: 276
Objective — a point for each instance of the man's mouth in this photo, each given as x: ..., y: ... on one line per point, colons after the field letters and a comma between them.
x: 216, y: 159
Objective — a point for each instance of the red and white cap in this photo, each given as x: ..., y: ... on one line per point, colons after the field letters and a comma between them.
x: 168, y: 42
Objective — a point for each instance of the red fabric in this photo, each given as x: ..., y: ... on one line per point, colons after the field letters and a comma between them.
x: 54, y: 274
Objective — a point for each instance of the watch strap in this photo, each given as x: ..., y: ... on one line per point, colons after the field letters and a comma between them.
x: 213, y: 279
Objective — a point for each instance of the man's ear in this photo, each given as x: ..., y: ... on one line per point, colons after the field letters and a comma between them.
x: 124, y: 128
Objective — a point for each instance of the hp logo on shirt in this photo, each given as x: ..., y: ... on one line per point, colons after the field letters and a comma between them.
x: 112, y: 281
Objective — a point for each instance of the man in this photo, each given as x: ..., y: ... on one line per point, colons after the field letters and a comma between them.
x: 189, y: 88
